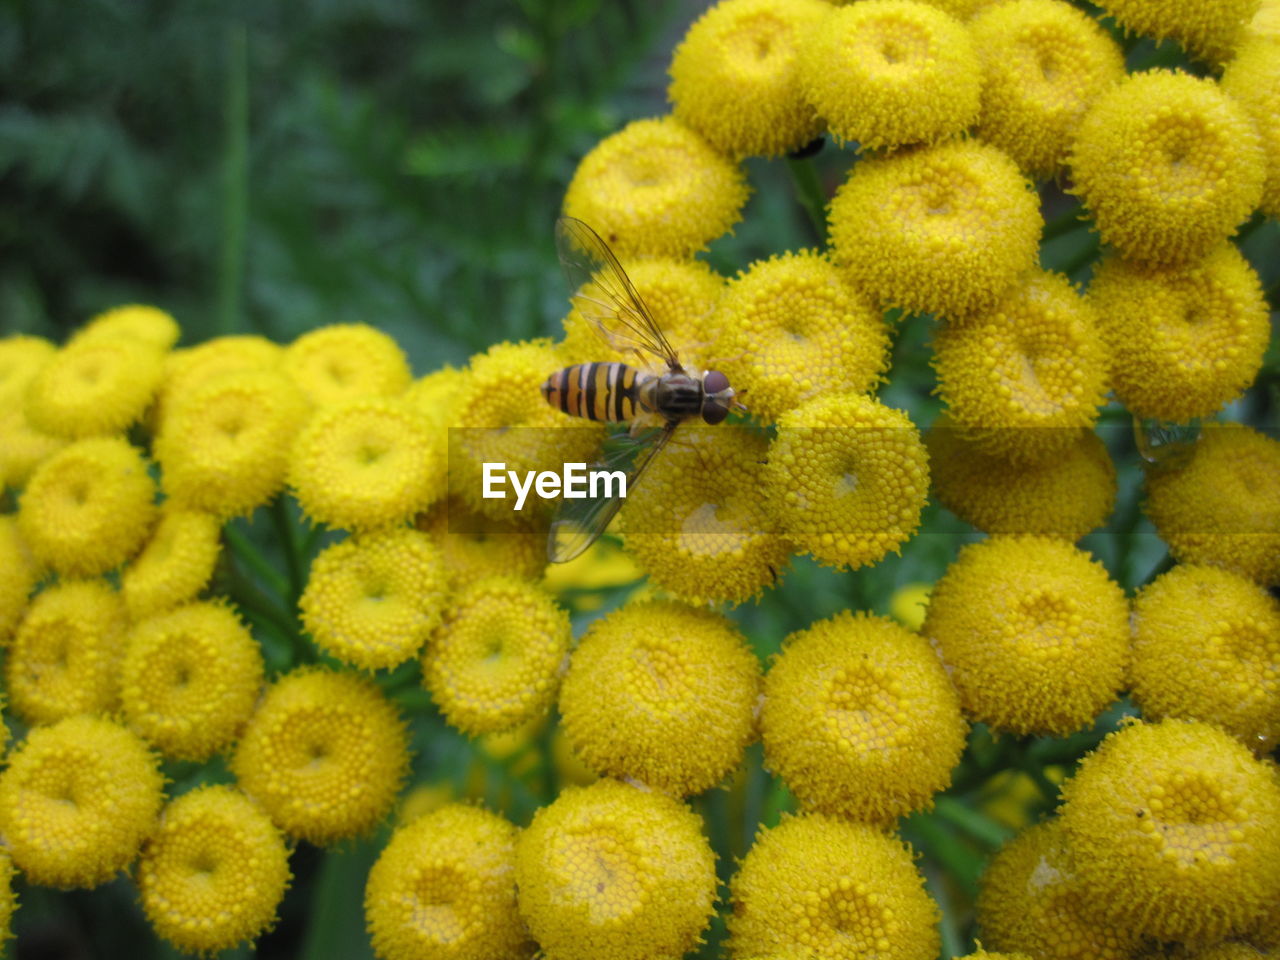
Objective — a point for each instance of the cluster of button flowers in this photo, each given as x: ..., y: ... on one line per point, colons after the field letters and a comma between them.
x: 126, y: 458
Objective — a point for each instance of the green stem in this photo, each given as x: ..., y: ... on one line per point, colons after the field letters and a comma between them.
x: 1063, y: 223
x: 287, y: 533
x: 953, y: 945
x: 235, y: 181
x: 1080, y: 259
x: 977, y: 825
x: 247, y: 595
x: 244, y: 550
x: 804, y: 175
x: 941, y: 845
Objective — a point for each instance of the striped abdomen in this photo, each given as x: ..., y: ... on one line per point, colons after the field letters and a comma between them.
x: 597, y: 391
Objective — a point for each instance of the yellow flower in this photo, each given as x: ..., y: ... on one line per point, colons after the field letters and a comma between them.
x: 1253, y: 79
x: 475, y: 546
x: 908, y: 604
x: 663, y: 694
x: 1174, y: 830
x: 185, y: 371
x: 1034, y: 634
x: 1209, y: 31
x: 848, y: 478
x: 656, y: 187
x: 22, y: 447
x: 66, y: 652
x: 697, y: 524
x: 860, y: 720
x: 496, y: 660
x: 94, y: 386
x: 940, y: 230
x: 613, y: 871
x: 818, y: 886
x: 346, y: 361
x: 1206, y: 644
x: 444, y: 889
x: 733, y: 77
x: 77, y: 800
x: 1044, y: 63
x: 18, y: 576
x: 214, y: 871
x: 190, y: 679
x: 175, y: 565
x: 883, y: 73
x: 434, y: 396
x: 21, y: 359
x: 324, y: 753
x: 225, y: 445
x: 1032, y: 901
x: 373, y: 600
x: 1065, y: 497
x: 1222, y: 508
x: 981, y: 954
x: 796, y: 329
x: 134, y: 321
x: 8, y: 901
x: 1024, y: 376
x: 963, y: 9
x: 89, y: 507
x: 1168, y: 165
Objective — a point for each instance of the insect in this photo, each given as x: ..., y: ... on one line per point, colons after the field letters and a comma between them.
x: 653, y: 402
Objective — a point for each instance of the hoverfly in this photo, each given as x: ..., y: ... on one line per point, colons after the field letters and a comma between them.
x: 653, y: 402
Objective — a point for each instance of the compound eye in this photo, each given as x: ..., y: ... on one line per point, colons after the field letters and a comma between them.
x: 714, y: 382
x: 713, y: 412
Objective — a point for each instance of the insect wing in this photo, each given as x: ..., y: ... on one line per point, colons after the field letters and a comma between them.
x: 580, y: 522
x: 605, y: 295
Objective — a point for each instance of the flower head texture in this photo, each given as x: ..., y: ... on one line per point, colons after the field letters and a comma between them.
x: 18, y: 576
x: 21, y: 358
x: 190, y: 368
x: 1223, y: 507
x: 372, y: 600
x: 848, y: 477
x: 214, y: 871
x: 175, y: 564
x: 734, y: 76
x: 1044, y: 63
x: 1253, y: 79
x: 657, y: 188
x: 663, y: 694
x: 134, y: 321
x: 1168, y: 165
x: 324, y: 753
x: 23, y: 447
x: 798, y: 329
x: 346, y: 361
x: 475, y: 547
x: 65, y: 657
x: 94, y: 387
x: 884, y: 73
x: 860, y: 719
x: 940, y: 230
x: 613, y: 871
x: 1206, y: 646
x: 1034, y: 634
x: 434, y: 395
x: 1174, y: 829
x: 1210, y: 31
x: 1183, y: 340
x: 190, y: 679
x: 77, y: 800
x: 444, y: 889
x: 818, y: 886
x: 89, y: 507
x: 495, y: 662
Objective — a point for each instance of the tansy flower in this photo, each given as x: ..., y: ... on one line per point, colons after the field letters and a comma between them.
x: 657, y: 187
x: 888, y: 72
x: 21, y: 358
x: 981, y: 954
x: 1044, y: 62
x: 1031, y: 900
x: 848, y: 478
x: 1223, y: 507
x: 1206, y: 646
x: 908, y: 603
x: 939, y: 230
x: 135, y: 321
x: 18, y: 575
x: 77, y: 800
x: 1168, y: 165
x: 1210, y: 31
x: 1034, y: 634
x: 612, y: 871
x: 663, y: 694
x: 1253, y: 79
x: 187, y: 370
x: 8, y: 902
x: 190, y: 679
x: 66, y: 652
x: 963, y: 9
x: 1024, y: 376
x: 818, y: 886
x: 346, y: 361
x: 175, y: 564
x: 324, y: 753
x: 225, y: 445
x: 373, y: 600
x: 1068, y: 495
x: 434, y: 396
x: 93, y: 387
x: 495, y: 661
x: 860, y: 719
x: 22, y: 447
x: 89, y: 507
x: 795, y: 329
x: 1185, y: 340
x: 733, y: 77
x: 214, y: 871
x: 444, y: 888
x: 1174, y: 829
x: 697, y: 524
x: 475, y: 546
